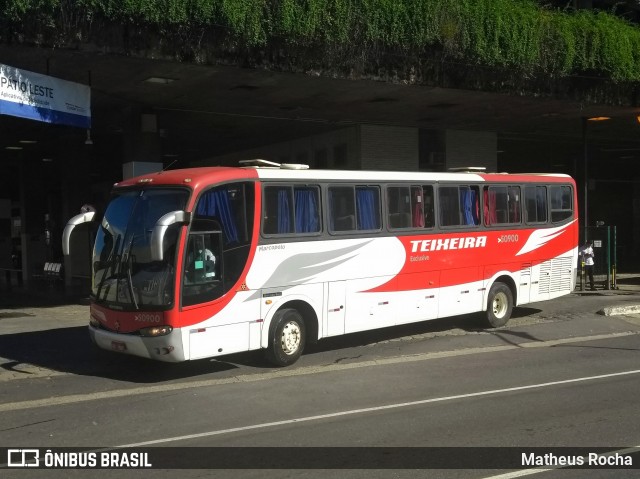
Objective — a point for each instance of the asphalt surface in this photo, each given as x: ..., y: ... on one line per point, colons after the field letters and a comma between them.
x: 406, y: 372
x: 31, y: 320
x: 46, y: 308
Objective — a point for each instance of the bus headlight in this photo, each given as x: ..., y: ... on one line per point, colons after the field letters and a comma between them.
x: 153, y: 331
x: 94, y: 323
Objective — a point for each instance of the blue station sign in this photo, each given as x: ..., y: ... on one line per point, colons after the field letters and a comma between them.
x: 40, y: 97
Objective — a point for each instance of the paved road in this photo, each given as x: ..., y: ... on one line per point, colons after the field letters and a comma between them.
x: 44, y: 338
x: 559, y: 375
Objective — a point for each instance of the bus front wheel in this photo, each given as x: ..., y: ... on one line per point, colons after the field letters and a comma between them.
x: 287, y: 338
x: 499, y: 305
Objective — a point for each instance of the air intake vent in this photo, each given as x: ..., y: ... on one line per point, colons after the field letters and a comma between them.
x: 260, y: 163
x: 561, y: 272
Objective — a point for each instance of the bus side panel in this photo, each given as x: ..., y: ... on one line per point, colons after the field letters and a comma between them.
x: 333, y: 321
x: 461, y: 297
x: 217, y: 340
x: 524, y: 284
x: 420, y: 304
x: 366, y: 310
x: 234, y: 328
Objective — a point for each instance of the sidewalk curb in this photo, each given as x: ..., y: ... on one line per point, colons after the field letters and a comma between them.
x: 617, y: 310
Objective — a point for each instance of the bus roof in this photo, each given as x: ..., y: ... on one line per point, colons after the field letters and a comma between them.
x: 401, y: 176
x: 190, y: 177
x: 193, y: 177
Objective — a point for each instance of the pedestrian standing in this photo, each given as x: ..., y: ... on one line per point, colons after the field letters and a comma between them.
x: 587, y: 261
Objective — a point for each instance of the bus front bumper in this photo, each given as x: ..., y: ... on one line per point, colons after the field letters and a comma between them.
x: 166, y: 348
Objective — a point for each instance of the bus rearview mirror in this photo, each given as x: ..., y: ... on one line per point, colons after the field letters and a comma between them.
x: 161, y: 227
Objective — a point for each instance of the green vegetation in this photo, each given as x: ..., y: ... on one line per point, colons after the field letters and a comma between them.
x: 513, y: 34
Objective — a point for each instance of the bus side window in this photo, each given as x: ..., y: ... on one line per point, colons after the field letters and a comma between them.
x: 459, y: 205
x: 410, y: 207
x: 427, y: 206
x: 501, y: 205
x: 514, y: 204
x: 307, y: 209
x: 399, y: 205
x: 278, y: 210
x: 449, y: 205
x: 289, y: 210
x: 342, y: 209
x: 354, y: 208
x: 561, y: 204
x: 368, y: 208
x: 535, y: 204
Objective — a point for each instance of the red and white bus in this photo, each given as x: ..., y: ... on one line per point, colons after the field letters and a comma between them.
x: 203, y: 262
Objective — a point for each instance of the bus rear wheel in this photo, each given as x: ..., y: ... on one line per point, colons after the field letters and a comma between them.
x: 499, y: 305
x: 287, y: 337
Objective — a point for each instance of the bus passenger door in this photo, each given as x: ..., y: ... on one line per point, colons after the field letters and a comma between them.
x: 335, y: 307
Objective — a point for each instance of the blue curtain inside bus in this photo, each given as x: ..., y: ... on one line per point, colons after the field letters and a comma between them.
x: 284, y: 222
x: 307, y: 217
x: 367, y: 209
x: 216, y: 204
x: 468, y: 202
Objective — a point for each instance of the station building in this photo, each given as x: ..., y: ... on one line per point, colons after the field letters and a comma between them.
x: 152, y: 109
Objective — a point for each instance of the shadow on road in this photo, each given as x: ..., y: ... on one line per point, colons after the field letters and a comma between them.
x: 633, y: 280
x: 18, y: 298
x: 469, y: 323
x: 70, y: 350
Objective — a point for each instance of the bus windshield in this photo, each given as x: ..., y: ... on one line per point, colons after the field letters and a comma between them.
x: 124, y: 274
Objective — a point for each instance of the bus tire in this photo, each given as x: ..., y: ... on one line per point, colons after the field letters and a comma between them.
x: 287, y: 337
x: 499, y: 305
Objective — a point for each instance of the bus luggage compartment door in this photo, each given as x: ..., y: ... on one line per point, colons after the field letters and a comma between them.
x: 335, y: 307
x: 524, y: 288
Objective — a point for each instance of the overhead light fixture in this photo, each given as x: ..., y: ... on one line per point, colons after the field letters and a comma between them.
x: 47, y: 160
x: 13, y: 148
x: 27, y: 142
x: 638, y: 118
x: 599, y: 118
x: 159, y: 80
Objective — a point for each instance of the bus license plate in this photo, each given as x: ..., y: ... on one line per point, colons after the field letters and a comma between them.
x: 118, y: 346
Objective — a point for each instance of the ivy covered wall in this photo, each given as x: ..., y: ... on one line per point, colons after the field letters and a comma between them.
x: 463, y: 43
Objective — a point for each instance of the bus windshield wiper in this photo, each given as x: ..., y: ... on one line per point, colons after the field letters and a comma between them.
x: 130, y: 280
x: 111, y: 262
x: 128, y: 264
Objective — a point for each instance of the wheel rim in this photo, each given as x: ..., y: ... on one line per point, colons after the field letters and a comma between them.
x: 500, y: 305
x: 291, y: 337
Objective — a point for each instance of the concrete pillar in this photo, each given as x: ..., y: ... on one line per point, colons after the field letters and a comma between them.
x: 636, y: 221
x: 471, y: 148
x: 5, y: 233
x: 142, y: 148
x: 389, y: 148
